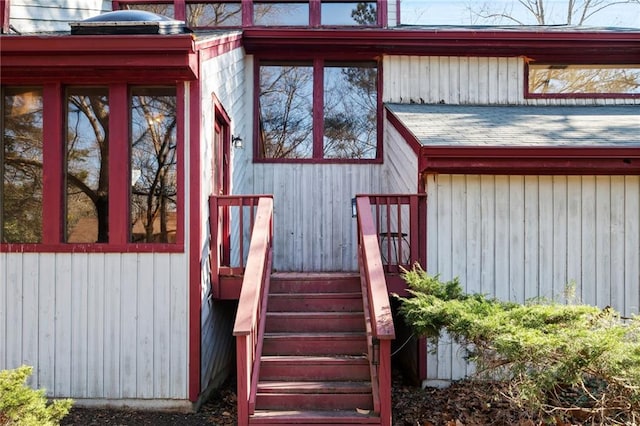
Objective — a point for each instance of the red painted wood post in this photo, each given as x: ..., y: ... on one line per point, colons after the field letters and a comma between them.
x: 384, y: 379
x: 243, y: 371
x: 214, y: 245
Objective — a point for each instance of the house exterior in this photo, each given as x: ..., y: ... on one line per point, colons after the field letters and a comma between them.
x: 126, y: 291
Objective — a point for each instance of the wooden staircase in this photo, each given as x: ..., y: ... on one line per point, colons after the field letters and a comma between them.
x: 314, y: 367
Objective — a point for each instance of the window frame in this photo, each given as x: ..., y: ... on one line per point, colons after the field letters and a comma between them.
x: 54, y: 186
x: 318, y: 112
x: 315, y: 6
x: 586, y: 95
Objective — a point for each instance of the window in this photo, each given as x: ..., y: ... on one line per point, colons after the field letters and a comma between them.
x: 320, y: 110
x: 154, y: 183
x: 237, y: 13
x: 21, y: 166
x: 111, y: 166
x: 549, y: 80
x: 214, y: 15
x: 87, y: 165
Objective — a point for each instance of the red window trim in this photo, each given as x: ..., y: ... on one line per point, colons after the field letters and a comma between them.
x: 529, y: 95
x: 5, y: 7
x: 247, y: 9
x: 318, y: 103
x: 53, y: 179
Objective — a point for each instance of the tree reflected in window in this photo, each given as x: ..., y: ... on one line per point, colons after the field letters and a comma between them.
x: 214, y: 14
x: 286, y: 117
x: 287, y: 14
x: 584, y: 79
x: 154, y: 182
x: 350, y: 111
x: 346, y: 112
x: 158, y: 9
x: 87, y: 165
x: 21, y: 166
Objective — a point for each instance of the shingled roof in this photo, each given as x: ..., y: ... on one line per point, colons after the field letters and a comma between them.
x: 456, y: 125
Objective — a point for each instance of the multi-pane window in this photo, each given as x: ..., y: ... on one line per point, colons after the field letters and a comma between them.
x: 21, y: 165
x: 108, y: 180
x: 583, y: 80
x: 237, y: 13
x: 318, y: 110
x: 154, y: 180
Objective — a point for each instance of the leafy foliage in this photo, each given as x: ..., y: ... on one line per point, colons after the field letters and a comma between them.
x: 23, y: 406
x: 562, y: 360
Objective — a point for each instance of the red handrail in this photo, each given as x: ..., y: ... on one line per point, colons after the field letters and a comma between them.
x: 249, y: 325
x: 380, y: 327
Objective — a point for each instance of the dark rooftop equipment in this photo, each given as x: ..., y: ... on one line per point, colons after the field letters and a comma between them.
x: 128, y: 22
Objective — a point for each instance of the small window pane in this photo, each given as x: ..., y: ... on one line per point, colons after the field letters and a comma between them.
x: 214, y: 15
x: 354, y: 13
x: 154, y: 180
x: 583, y: 79
x: 87, y: 171
x: 287, y: 14
x: 21, y: 166
x: 159, y: 9
x: 286, y: 117
x: 350, y: 111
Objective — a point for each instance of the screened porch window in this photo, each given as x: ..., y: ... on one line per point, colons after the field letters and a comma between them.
x: 21, y: 165
x: 320, y: 110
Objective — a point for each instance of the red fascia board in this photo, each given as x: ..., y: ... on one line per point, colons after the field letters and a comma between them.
x: 541, y: 45
x: 210, y: 48
x: 22, y: 56
x: 530, y: 160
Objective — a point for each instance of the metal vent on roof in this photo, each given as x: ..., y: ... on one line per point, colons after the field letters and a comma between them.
x: 129, y: 22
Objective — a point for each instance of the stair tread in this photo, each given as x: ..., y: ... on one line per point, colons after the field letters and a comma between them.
x: 314, y: 358
x: 313, y: 386
x: 316, y: 416
x: 315, y: 334
x: 327, y: 295
x: 316, y: 314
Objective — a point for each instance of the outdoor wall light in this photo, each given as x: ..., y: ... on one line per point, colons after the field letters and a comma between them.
x: 354, y: 209
x: 236, y: 141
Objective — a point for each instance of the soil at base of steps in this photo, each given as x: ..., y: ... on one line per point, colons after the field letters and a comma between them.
x: 465, y: 403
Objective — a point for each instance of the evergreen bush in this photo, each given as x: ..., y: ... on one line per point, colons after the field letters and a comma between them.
x: 565, y: 361
x: 22, y: 406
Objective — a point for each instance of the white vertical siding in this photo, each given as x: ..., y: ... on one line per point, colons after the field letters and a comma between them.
x: 34, y: 16
x: 517, y: 238
x: 224, y: 77
x: 400, y: 169
x: 97, y: 326
x: 392, y: 13
x: 458, y: 80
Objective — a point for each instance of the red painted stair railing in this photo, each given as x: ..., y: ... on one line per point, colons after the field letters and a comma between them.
x: 249, y: 325
x: 379, y: 319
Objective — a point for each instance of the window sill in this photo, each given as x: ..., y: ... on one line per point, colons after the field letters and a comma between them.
x: 91, y: 248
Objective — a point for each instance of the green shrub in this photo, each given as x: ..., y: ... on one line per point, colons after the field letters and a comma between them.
x: 573, y: 361
x: 22, y: 406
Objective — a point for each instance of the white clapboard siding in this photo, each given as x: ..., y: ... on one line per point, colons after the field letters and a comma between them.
x: 97, y: 326
x: 222, y: 76
x: 523, y: 237
x: 473, y: 80
x: 36, y: 16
